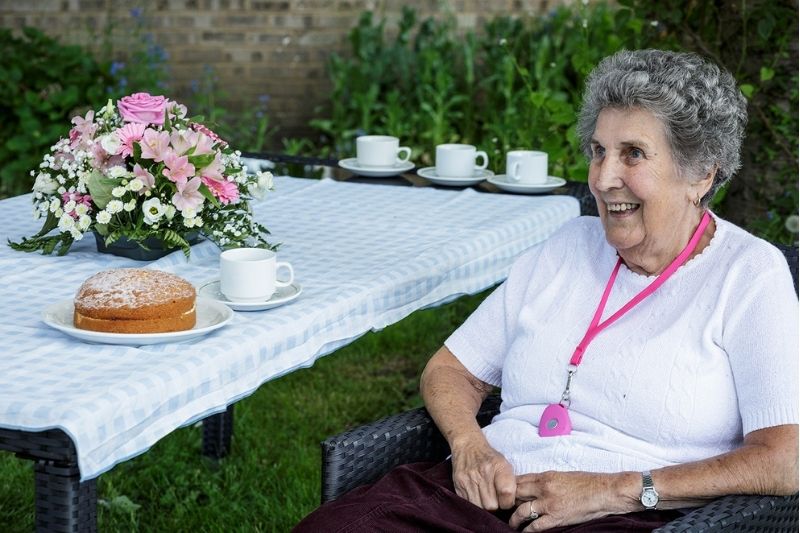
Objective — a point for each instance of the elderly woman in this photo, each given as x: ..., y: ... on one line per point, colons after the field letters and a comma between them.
x: 647, y: 358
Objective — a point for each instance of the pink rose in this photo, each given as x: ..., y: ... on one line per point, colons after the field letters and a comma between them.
x: 142, y: 108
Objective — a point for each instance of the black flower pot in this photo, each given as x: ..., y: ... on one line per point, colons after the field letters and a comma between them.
x: 124, y: 247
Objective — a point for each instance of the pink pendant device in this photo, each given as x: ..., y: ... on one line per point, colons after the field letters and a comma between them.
x: 555, y: 421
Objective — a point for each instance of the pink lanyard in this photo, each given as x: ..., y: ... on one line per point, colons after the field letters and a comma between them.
x: 555, y: 419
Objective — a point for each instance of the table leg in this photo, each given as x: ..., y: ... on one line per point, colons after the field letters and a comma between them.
x: 217, y: 432
x: 63, y: 503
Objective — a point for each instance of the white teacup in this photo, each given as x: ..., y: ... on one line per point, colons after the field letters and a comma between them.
x: 380, y: 151
x: 459, y: 160
x: 250, y: 274
x: 526, y: 166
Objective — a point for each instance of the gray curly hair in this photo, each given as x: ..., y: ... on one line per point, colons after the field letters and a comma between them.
x: 703, y: 111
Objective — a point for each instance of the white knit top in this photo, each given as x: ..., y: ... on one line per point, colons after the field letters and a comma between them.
x: 707, y: 358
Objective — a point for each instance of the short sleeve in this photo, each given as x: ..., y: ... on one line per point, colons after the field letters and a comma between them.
x: 481, y: 343
x: 761, y: 339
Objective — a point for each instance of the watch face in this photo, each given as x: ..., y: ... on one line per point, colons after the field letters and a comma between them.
x: 649, y: 498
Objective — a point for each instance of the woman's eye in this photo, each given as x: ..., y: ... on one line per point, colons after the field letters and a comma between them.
x: 635, y: 153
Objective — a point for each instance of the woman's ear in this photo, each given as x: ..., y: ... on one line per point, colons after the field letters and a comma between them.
x: 702, y: 186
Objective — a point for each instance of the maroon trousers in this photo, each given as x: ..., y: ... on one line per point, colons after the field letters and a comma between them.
x: 421, y: 497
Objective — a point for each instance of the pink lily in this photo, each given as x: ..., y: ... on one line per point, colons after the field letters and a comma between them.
x: 155, y: 144
x: 148, y: 179
x: 178, y: 168
x: 213, y: 170
x: 188, y: 195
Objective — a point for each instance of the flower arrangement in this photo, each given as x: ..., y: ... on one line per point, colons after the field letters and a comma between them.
x: 141, y: 169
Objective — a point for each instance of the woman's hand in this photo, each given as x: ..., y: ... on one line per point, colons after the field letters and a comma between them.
x: 483, y: 476
x: 564, y: 498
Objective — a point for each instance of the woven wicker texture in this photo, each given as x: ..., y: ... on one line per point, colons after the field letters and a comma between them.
x: 63, y: 503
x: 217, y: 433
x: 362, y: 455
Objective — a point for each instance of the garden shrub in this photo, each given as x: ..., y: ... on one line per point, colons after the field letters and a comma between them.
x: 42, y: 85
x: 517, y: 83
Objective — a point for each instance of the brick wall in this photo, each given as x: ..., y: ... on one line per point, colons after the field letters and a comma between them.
x: 256, y: 47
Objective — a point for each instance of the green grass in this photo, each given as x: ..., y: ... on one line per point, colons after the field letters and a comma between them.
x: 271, y: 479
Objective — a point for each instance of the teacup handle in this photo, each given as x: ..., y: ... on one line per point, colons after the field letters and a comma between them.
x: 512, y: 171
x: 480, y: 154
x: 279, y: 283
x: 403, y: 150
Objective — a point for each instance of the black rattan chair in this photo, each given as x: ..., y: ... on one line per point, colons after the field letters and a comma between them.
x: 364, y: 454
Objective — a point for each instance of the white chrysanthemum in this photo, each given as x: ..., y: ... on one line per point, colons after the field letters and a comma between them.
x: 153, y: 210
x: 69, y: 206
x: 170, y: 211
x: 76, y: 233
x: 188, y: 222
x: 65, y: 222
x: 189, y: 212
x: 59, y: 212
x: 45, y: 184
x: 84, y: 221
x: 110, y: 143
x: 114, y: 206
x: 118, y: 192
x: 135, y: 185
x: 81, y: 209
x: 103, y: 217
x: 62, y: 190
x: 117, y: 171
x: 55, y: 203
x: 130, y: 205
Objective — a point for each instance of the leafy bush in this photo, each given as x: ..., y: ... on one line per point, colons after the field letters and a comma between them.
x: 757, y: 42
x: 518, y: 84
x: 42, y: 84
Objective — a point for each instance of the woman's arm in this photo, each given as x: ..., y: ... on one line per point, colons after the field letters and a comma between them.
x: 766, y: 463
x: 453, y: 396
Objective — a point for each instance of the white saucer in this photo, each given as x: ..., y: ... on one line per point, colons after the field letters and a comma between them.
x: 211, y: 315
x: 429, y: 173
x: 375, y: 172
x: 281, y: 296
x: 504, y: 183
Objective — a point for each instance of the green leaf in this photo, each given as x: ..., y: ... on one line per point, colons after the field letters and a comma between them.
x: 100, y: 188
x: 201, y: 161
x: 767, y: 73
x: 747, y: 90
x: 208, y: 195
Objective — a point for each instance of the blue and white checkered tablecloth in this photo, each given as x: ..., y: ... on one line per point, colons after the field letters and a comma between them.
x: 365, y: 255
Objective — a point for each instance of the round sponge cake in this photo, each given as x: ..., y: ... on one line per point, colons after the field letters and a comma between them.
x: 135, y: 300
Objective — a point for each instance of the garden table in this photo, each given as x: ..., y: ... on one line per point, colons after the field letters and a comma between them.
x: 365, y: 255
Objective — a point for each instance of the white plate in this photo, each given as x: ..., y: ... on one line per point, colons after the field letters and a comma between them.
x: 504, y: 183
x: 211, y: 315
x: 375, y: 172
x: 283, y: 295
x: 429, y: 173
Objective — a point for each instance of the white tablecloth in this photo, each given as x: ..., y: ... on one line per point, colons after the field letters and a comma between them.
x: 365, y: 255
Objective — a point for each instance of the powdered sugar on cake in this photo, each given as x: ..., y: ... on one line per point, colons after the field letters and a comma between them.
x: 132, y: 287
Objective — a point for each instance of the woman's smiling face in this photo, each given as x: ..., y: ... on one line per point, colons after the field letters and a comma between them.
x: 644, y: 204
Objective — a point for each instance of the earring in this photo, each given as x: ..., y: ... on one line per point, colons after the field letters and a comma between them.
x: 697, y: 201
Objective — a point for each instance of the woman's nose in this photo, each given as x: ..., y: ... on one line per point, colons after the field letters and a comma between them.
x: 607, y: 174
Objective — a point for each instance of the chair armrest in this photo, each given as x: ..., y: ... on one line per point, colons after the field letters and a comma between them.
x: 364, y: 454
x: 737, y: 512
